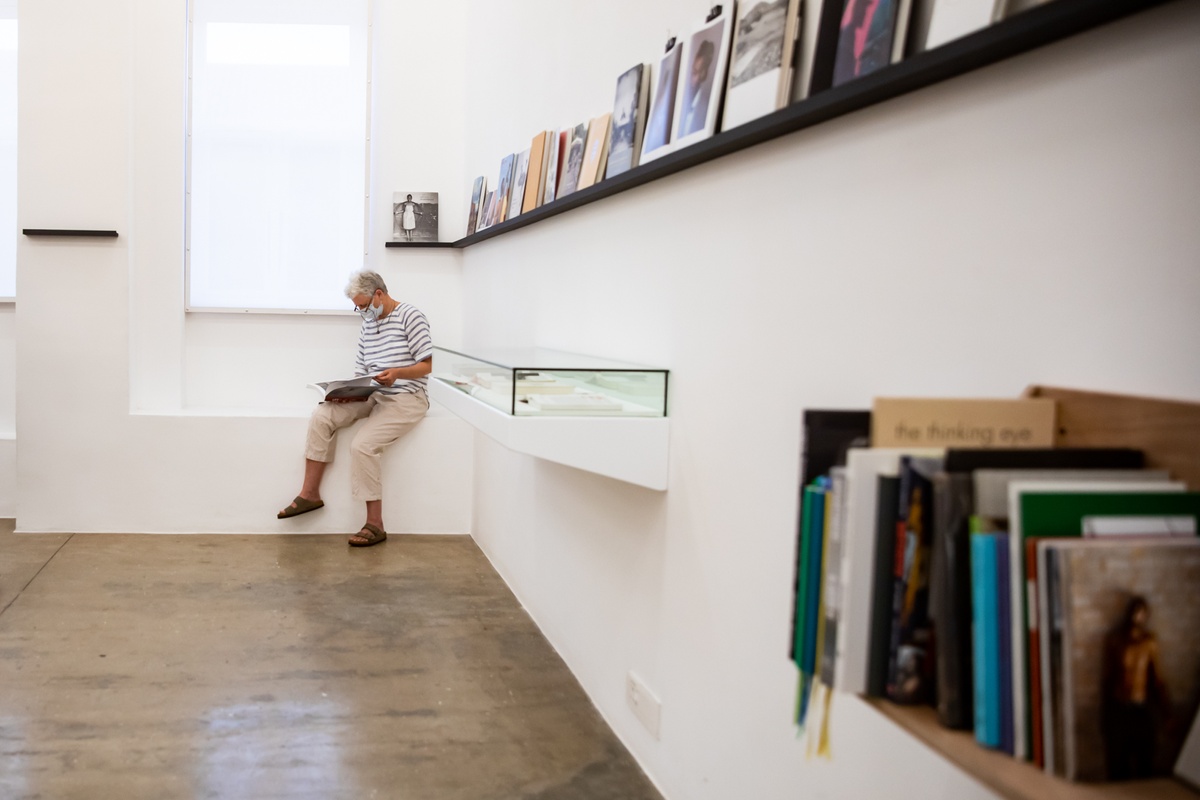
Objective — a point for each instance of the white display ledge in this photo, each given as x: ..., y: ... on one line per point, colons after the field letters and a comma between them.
x: 630, y: 449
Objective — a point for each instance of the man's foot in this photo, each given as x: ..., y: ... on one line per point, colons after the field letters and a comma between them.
x: 301, y: 505
x: 369, y: 535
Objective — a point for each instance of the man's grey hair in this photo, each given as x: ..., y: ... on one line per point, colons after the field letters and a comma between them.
x: 365, y: 282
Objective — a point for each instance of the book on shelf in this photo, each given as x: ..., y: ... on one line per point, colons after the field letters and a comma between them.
x: 866, y: 38
x: 828, y: 434
x: 831, y: 586
x: 661, y: 116
x: 879, y: 630
x: 953, y: 19
x: 703, y: 67
x: 499, y: 210
x: 1121, y: 679
x: 985, y: 628
x: 911, y: 660
x: 595, y: 154
x: 574, y: 146
x: 553, y: 160
x: 761, y: 62
x: 478, y: 194
x: 539, y: 153
x: 1056, y: 509
x: 520, y: 176
x: 969, y: 485
x: 485, y: 211
x: 963, y: 422
x: 628, y: 120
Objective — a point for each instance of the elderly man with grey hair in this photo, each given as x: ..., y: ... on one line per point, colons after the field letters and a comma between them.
x: 394, y: 347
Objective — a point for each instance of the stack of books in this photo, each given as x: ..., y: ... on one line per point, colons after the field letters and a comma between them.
x: 1045, y: 597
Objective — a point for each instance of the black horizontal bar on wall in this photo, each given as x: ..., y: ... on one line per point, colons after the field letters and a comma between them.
x: 1018, y: 34
x: 419, y: 244
x: 61, y: 232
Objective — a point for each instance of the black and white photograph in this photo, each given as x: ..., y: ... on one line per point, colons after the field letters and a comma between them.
x: 415, y: 216
x: 521, y: 175
x: 628, y: 121
x: 662, y: 108
x: 573, y: 161
x: 485, y: 212
x: 553, y: 158
x: 760, y: 63
x: 478, y: 193
x: 702, y: 77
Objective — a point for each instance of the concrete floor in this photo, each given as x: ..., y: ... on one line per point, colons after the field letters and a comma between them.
x: 284, y: 667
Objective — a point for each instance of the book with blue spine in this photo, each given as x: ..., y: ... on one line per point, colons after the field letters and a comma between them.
x: 986, y: 637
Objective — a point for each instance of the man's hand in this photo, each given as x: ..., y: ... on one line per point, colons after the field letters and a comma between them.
x: 389, y: 376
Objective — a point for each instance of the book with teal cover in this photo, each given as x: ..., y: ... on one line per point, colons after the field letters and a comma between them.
x: 812, y: 603
x: 986, y: 637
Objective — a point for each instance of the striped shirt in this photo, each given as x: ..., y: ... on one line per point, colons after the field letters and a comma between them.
x: 400, y: 339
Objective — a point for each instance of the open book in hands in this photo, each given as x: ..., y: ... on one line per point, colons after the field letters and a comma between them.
x: 353, y: 389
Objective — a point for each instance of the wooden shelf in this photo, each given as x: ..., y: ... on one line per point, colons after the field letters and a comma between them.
x: 420, y: 244
x: 1014, y: 779
x: 1018, y: 34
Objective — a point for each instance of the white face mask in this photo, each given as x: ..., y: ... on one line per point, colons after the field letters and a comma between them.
x: 371, y: 313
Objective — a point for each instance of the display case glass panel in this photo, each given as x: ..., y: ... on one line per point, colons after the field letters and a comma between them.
x: 541, y: 383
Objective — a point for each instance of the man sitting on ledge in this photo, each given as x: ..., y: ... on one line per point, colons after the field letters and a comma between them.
x: 395, y: 348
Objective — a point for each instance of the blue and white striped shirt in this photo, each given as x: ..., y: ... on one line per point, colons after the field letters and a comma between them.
x: 400, y: 339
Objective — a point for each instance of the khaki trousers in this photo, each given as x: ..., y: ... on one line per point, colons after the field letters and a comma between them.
x: 388, y: 417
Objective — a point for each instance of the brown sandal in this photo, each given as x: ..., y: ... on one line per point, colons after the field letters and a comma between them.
x: 372, y: 536
x: 300, y: 506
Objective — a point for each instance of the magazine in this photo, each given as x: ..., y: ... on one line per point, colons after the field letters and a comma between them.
x: 352, y: 389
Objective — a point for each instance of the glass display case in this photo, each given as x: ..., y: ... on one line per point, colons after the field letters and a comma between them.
x: 540, y: 383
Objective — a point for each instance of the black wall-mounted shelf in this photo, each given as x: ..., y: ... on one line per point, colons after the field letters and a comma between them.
x: 420, y: 244
x: 61, y: 232
x: 1018, y: 34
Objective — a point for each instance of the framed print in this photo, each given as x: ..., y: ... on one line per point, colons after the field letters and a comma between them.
x: 657, y: 141
x: 701, y: 81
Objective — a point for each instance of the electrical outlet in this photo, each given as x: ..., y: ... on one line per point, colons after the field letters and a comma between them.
x: 646, y: 707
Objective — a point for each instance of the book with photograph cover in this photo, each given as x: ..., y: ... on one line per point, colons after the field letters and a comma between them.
x: 572, y: 165
x: 595, y: 154
x: 703, y: 66
x: 478, y: 195
x: 760, y: 66
x: 415, y: 216
x: 628, y: 120
x: 503, y: 190
x: 1130, y: 653
x: 659, y: 120
x: 520, y: 175
x: 553, y: 167
x: 535, y: 187
x: 866, y: 36
x: 485, y: 211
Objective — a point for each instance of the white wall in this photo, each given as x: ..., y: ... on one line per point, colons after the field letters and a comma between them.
x: 195, y: 422
x: 1033, y: 222
x: 8, y: 411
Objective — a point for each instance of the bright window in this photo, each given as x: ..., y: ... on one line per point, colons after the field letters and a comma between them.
x: 277, y: 152
x: 8, y: 148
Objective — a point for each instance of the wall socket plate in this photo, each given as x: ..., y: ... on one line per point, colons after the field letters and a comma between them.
x: 646, y: 707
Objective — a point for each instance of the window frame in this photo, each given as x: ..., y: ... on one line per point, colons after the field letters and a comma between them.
x: 187, y: 180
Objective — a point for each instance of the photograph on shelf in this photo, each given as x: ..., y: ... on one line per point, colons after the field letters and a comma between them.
x: 415, y: 216
x: 576, y: 142
x: 628, y: 120
x: 539, y: 150
x: 553, y: 167
x: 520, y: 175
x: 478, y: 194
x: 866, y: 37
x: 657, y: 141
x: 485, y: 212
x: 595, y: 152
x: 760, y: 66
x: 702, y: 79
x: 503, y: 191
